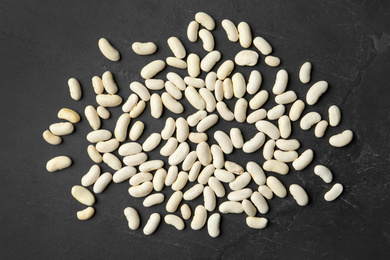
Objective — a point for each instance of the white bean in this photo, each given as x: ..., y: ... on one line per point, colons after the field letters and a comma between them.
x: 200, y: 217
x: 288, y: 145
x: 195, y: 82
x: 189, y: 161
x: 213, y: 225
x: 334, y: 192
x: 244, y: 34
x: 223, y: 141
x: 284, y: 126
x: 58, y: 163
x: 276, y: 186
x: 316, y: 91
x: 204, y: 154
x: 83, y: 195
x: 140, y: 178
x: 217, y: 187
x: 185, y: 211
x: 132, y: 218
x: 159, y: 179
x: 171, y: 175
x: 194, y: 171
x: 342, y: 139
x: 151, y: 142
x: 97, y: 85
x: 240, y: 110
x: 296, y: 110
x: 223, y: 175
x: 218, y: 157
x: 176, y: 62
x: 256, y: 222
x: 193, y: 65
x: 182, y: 129
x: 130, y: 103
x: 175, y: 221
x: 230, y: 207
x: 262, y: 45
x: 144, y: 48
x: 309, y: 120
x: 69, y: 115
x: 102, y: 182
x: 246, y: 58
x: 108, y: 50
x: 86, y: 213
x: 276, y: 112
x: 266, y: 192
x: 136, y: 130
x: 91, y: 176
x: 140, y: 90
x: 230, y: 29
x: 259, y: 99
x: 209, y: 99
x: 152, y: 224
x: 256, y: 115
x: 135, y: 159
x: 174, y: 201
x: 194, y: 98
x: 225, y: 69
x: 228, y: 88
x: 299, y: 194
x: 239, y: 195
x: 176, y: 47
x: 197, y: 137
x: 205, y: 174
x: 94, y: 154
x: 169, y: 128
x: 334, y: 115
x: 224, y: 111
x: 276, y: 166
x: 284, y: 156
x: 205, y: 20
x: 280, y: 82
x: 256, y: 172
x: 286, y: 97
x: 268, y: 150
x: 51, y: 138
x: 177, y: 80
x: 268, y: 128
x: 324, y: 173
x: 121, y: 126
x: 211, y: 79
x: 153, y: 199
x: 193, y: 192
x: 196, y: 117
x: 156, y: 106
x: 233, y: 167
x: 260, y: 203
x: 192, y: 31
x: 151, y: 69
x: 109, y: 83
x: 170, y: 147
x: 180, y: 154
x: 171, y: 104
x: 112, y: 161
x: 207, y: 39
x: 107, y: 146
x: 254, y: 82
x: 103, y: 112
x: 141, y: 190
x: 60, y: 129
x: 218, y: 91
x: 151, y: 165
x: 108, y: 100
x: 254, y: 144
x: 236, y: 137
x: 272, y: 61
x: 304, y: 72
x: 303, y: 160
x: 248, y: 207
x: 320, y: 128
x: 210, y: 201
x: 123, y: 174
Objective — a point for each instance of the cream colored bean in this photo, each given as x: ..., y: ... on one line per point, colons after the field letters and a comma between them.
x: 174, y: 201
x: 256, y: 172
x: 276, y: 186
x: 256, y: 115
x: 268, y: 150
x: 151, y: 142
x: 210, y: 201
x: 151, y: 165
x: 92, y: 117
x: 141, y: 190
x: 286, y: 98
x: 94, y: 154
x: 205, y: 174
x: 112, y: 161
x: 304, y: 72
x: 262, y: 45
x: 194, y: 98
x: 246, y: 58
x: 107, y: 146
x: 109, y: 83
x: 239, y: 195
x: 194, y: 171
x: 60, y: 129
x: 334, y: 115
x: 136, y: 131
x: 254, y: 144
x: 176, y: 47
x: 266, y: 192
x: 205, y: 20
x: 268, y: 128
x: 189, y: 161
x: 108, y: 100
x: 58, y: 163
x: 276, y: 166
x: 248, y: 207
x: 130, y: 103
x: 303, y: 160
x: 309, y: 120
x: 102, y: 183
x: 200, y: 217
x: 182, y: 129
x: 225, y: 69
x: 86, y: 214
x: 207, y: 39
x: 159, y: 179
x: 51, y: 138
x: 169, y: 128
x: 153, y: 199
x: 272, y: 61
x: 138, y: 109
x: 217, y: 187
x: 288, y: 145
x: 103, y: 112
x: 284, y: 126
x: 140, y: 178
x: 233, y: 167
x: 334, y: 192
x: 192, y: 31
x: 299, y: 194
x: 228, y: 88
x: 132, y: 218
x: 210, y: 80
x: 316, y: 91
x: 171, y: 175
x: 69, y: 115
x: 244, y: 34
x: 135, y: 159
x: 108, y: 50
x: 97, y: 85
x: 342, y: 139
x: 320, y: 129
x: 171, y: 104
x: 175, y: 221
x: 193, y: 65
x: 74, y: 89
x: 276, y: 112
x: 185, y: 211
x: 296, y: 110
x: 324, y: 173
x: 224, y: 111
x: 181, y: 181
x: 230, y: 207
x: 195, y: 82
x: 240, y: 110
x: 180, y: 154
x: 140, y: 90
x: 195, y: 118
x: 152, y: 224
x: 156, y: 106
x: 224, y: 176
x: 260, y: 203
x: 154, y: 84
x: 176, y: 63
x: 209, y: 61
x: 121, y: 127
x: 218, y: 157
x: 123, y: 174
x: 177, y: 80
x: 223, y: 141
x: 197, y: 137
x: 83, y: 195
x: 204, y: 154
x: 254, y: 82
x: 144, y: 48
x: 193, y: 192
x: 153, y: 68
x: 256, y: 222
x: 259, y: 99
x: 213, y: 225
x: 230, y: 29
x: 280, y: 82
x: 218, y: 91
x: 209, y: 99
x: 284, y: 156
x: 91, y: 176
x: 236, y: 137
x: 170, y: 147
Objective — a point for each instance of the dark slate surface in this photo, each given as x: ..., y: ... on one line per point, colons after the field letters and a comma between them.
x: 43, y: 44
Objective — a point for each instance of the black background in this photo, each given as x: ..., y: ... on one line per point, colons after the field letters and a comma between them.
x: 44, y: 43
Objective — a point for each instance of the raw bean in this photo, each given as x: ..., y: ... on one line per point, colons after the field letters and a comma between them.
x: 205, y: 174
x: 200, y: 217
x: 316, y: 91
x: 228, y: 88
x: 153, y: 199
x: 209, y: 99
x: 94, y: 154
x: 63, y: 128
x: 177, y: 80
x: 276, y: 186
x: 189, y: 161
x: 197, y: 137
x: 334, y: 115
x: 194, y: 119
x: 304, y: 72
x: 154, y: 84
x: 83, y: 195
x: 156, y: 106
x: 194, y: 171
x: 193, y: 65
x: 74, y: 89
x: 144, y: 48
x: 254, y: 82
x: 112, y: 161
x: 130, y: 103
x: 230, y: 29
x: 260, y: 203
x: 284, y: 126
x: 334, y: 192
x: 135, y: 159
x: 218, y: 158
x: 151, y: 142
x: 259, y: 99
x: 205, y: 20
x: 309, y: 120
x: 288, y: 145
x: 153, y: 68
x: 151, y: 165
x: 136, y: 131
x: 102, y: 183
x: 103, y: 112
x: 171, y: 104
x: 86, y: 213
x: 140, y: 178
x: 254, y: 144
x: 268, y: 150
x: 262, y: 45
x: 266, y: 192
x: 169, y: 128
x: 230, y: 207
x: 213, y: 225
x: 248, y: 207
x: 69, y: 114
x: 171, y: 175
x: 108, y: 50
x: 107, y: 146
x: 223, y: 141
x: 296, y: 110
x: 236, y: 137
x: 91, y: 176
x: 256, y: 172
x: 204, y: 154
x: 280, y: 82
x: 276, y: 112
x: 152, y: 224
x: 303, y: 160
x: 182, y: 129
x: 181, y: 181
x: 218, y: 92
x: 210, y: 60
x: 51, y: 138
x: 121, y: 126
x: 207, y: 39
x: 185, y: 211
x: 109, y: 83
x: 123, y: 174
x: 223, y: 175
x: 173, y: 90
x: 224, y: 111
x: 92, y: 117
x: 176, y: 63
x: 342, y: 139
x: 175, y: 221
x: 282, y: 156
x: 180, y: 154
x: 139, y: 89
x: 58, y: 163
x: 276, y: 166
x: 272, y: 61
x: 256, y: 222
x: 217, y: 187
x: 234, y: 167
x: 138, y: 109
x: 325, y: 174
x: 268, y: 128
x: 194, y: 98
x: 176, y: 47
x: 320, y: 129
x: 192, y: 31
x: 195, y: 82
x: 299, y: 194
x: 141, y: 190
x: 174, y: 201
x: 159, y: 179
x: 246, y: 58
x: 97, y: 85
x: 210, y: 201
x: 240, y: 110
x: 240, y: 195
x: 286, y: 98
x: 193, y: 192
x: 244, y: 34
x: 169, y: 147
x: 108, y: 100
x: 210, y: 80
x: 132, y: 218
x: 256, y: 115
x: 225, y: 69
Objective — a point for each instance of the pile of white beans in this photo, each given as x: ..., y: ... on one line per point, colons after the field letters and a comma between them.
x: 205, y: 166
